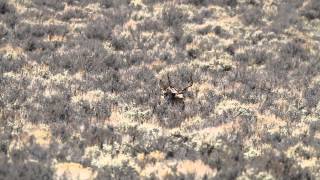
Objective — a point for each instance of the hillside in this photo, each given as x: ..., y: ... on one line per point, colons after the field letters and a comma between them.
x: 80, y: 92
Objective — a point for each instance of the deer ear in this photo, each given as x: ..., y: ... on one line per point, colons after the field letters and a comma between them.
x: 162, y: 85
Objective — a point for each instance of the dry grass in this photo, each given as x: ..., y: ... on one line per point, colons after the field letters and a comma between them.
x: 80, y: 95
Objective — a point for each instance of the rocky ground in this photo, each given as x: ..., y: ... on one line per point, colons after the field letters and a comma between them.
x: 80, y: 95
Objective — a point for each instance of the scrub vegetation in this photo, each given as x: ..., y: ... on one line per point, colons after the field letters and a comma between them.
x: 80, y: 95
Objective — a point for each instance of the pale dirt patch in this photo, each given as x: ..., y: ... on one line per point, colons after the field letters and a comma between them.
x: 227, y: 105
x: 39, y: 134
x: 203, y: 88
x: 73, y: 171
x: 57, y: 38
x: 153, y: 157
x: 270, y: 122
x: 11, y: 49
x: 160, y: 170
x: 317, y: 135
x: 137, y: 2
x: 163, y: 169
x: 157, y: 65
x: 20, y: 8
x: 190, y: 122
x: 299, y: 151
x: 210, y: 134
x: 131, y: 24
x: 156, y: 155
x: 198, y: 168
x: 116, y: 117
x: 90, y: 96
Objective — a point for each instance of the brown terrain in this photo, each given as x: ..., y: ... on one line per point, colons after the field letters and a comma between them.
x: 81, y: 93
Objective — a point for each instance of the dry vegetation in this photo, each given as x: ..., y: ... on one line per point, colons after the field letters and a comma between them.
x: 80, y: 95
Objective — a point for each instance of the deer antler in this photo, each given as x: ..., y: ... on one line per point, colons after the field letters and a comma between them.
x: 162, y: 85
x: 189, y: 85
x: 169, y: 81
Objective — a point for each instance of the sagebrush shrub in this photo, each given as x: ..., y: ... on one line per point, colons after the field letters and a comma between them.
x: 72, y: 14
x: 312, y: 10
x: 252, y: 15
x: 173, y: 15
x: 53, y: 4
x: 100, y: 28
x: 114, y: 3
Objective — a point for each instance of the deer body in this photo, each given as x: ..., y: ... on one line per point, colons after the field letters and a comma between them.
x: 172, y: 95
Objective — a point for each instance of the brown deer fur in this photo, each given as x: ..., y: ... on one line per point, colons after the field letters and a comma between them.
x: 173, y: 95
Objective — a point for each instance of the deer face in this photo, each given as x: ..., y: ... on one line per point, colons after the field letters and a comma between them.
x: 171, y: 94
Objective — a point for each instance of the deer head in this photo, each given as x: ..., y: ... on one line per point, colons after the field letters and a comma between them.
x: 172, y: 94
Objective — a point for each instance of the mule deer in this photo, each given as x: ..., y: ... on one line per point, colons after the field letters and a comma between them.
x: 173, y: 95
